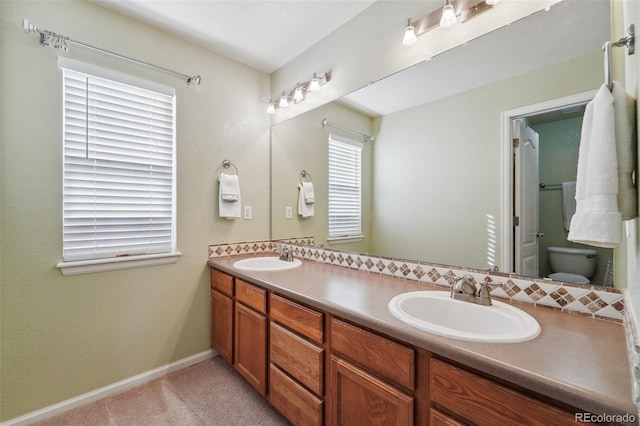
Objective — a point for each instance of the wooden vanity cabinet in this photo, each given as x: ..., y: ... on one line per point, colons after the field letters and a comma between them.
x: 347, y: 375
x: 222, y: 314
x: 372, y: 378
x: 296, y: 370
x: 469, y: 398
x: 250, y: 334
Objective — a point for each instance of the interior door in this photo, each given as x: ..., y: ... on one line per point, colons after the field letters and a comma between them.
x: 526, y: 188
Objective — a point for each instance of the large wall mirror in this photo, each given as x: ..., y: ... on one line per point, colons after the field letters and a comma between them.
x: 434, y: 179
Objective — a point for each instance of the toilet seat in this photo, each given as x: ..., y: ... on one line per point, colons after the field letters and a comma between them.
x: 569, y: 278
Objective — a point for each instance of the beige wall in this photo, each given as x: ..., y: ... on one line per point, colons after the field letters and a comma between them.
x: 437, y: 167
x: 64, y: 336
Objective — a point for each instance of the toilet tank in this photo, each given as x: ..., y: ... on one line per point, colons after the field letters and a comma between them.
x: 573, y: 260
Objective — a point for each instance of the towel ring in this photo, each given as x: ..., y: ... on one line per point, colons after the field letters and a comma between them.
x: 304, y: 174
x: 226, y: 164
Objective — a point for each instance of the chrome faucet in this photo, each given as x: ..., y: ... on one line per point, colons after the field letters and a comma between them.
x: 465, y: 289
x: 285, y: 254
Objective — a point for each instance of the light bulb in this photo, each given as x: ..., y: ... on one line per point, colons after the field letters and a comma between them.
x: 314, y: 86
x: 297, y: 95
x: 448, y: 16
x: 409, y: 38
x: 283, y: 102
x: 271, y: 108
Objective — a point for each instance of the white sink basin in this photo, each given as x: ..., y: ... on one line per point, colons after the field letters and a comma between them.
x: 436, y: 312
x: 266, y: 264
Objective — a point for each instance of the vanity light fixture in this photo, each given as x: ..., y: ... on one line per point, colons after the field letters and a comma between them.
x: 409, y: 38
x: 445, y: 17
x: 448, y: 18
x: 298, y: 93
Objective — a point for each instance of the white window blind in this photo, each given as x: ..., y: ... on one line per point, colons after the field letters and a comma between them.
x: 345, y: 158
x: 119, y: 169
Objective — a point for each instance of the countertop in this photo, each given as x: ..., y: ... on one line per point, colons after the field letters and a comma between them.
x: 577, y: 360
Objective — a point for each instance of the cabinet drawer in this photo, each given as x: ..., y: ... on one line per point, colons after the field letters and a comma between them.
x: 483, y: 401
x: 297, y: 404
x: 252, y: 296
x: 297, y: 317
x: 440, y: 419
x: 301, y: 359
x: 383, y: 356
x: 222, y: 282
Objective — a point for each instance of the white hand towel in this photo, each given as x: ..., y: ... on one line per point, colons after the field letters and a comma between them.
x: 624, y: 106
x: 230, y: 189
x: 307, y: 190
x: 597, y: 220
x: 304, y: 209
x: 568, y: 203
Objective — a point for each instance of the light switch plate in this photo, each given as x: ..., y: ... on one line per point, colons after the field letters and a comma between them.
x: 247, y: 212
x: 288, y: 212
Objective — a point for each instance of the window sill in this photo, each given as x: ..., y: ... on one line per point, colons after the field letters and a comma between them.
x: 114, y: 264
x: 344, y: 240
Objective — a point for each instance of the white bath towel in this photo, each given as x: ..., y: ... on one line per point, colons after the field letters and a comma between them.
x: 568, y: 203
x: 597, y: 220
x: 229, y: 200
x: 304, y: 209
x: 624, y: 106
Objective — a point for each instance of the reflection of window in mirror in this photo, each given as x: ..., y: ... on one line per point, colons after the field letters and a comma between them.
x: 345, y: 189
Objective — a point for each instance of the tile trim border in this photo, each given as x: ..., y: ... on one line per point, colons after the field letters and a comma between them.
x: 591, y: 301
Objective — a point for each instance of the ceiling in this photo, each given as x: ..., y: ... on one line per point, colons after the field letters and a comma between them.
x: 263, y: 34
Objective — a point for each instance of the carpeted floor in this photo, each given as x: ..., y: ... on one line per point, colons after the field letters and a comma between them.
x: 208, y: 393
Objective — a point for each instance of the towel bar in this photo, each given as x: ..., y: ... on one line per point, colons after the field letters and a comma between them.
x: 226, y: 164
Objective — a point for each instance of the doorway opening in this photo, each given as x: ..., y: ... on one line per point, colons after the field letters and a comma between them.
x: 534, y: 174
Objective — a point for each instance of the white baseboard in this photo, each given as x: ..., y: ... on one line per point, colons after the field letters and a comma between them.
x: 78, y: 401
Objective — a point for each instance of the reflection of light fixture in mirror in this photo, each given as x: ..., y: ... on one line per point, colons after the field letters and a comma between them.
x: 409, y: 38
x: 298, y: 96
x: 271, y: 108
x: 298, y: 93
x: 491, y: 2
x: 448, y: 15
x: 314, y: 85
x: 283, y: 103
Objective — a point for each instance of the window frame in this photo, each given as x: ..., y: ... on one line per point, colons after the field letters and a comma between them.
x: 102, y: 264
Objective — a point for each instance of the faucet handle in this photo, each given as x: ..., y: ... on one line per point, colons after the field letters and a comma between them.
x: 484, y: 291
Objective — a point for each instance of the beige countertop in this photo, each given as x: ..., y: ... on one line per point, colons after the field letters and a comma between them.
x: 577, y: 360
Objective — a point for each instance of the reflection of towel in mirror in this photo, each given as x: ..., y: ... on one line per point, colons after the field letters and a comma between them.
x: 568, y: 203
x: 597, y: 221
x: 304, y: 209
x: 229, y: 204
x: 307, y: 190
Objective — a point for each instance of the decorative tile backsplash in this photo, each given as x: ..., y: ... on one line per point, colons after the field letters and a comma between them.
x: 593, y: 301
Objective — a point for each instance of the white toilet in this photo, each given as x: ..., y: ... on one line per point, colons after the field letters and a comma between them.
x: 572, y: 265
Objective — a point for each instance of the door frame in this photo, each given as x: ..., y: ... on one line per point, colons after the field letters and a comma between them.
x: 508, y: 163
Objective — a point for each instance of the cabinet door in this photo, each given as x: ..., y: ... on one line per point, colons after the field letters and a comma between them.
x: 250, y: 344
x: 222, y: 325
x: 358, y: 398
